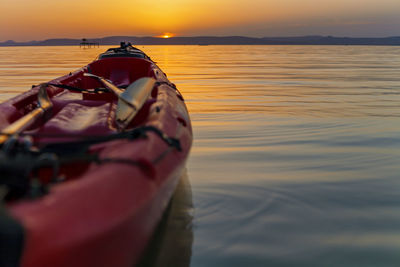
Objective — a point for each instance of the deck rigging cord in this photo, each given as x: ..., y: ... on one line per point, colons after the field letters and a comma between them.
x: 20, y: 162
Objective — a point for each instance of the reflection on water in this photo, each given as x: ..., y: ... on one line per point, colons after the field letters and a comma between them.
x: 172, y: 243
x: 296, y: 156
x: 298, y: 224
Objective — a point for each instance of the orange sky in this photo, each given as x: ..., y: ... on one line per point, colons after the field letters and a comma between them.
x: 24, y: 20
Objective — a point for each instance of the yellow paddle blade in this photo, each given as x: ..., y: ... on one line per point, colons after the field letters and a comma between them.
x: 132, y: 100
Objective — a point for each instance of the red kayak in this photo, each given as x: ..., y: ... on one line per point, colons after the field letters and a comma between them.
x: 89, y: 162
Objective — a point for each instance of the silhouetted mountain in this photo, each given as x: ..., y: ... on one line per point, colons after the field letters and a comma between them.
x: 212, y: 40
x: 330, y: 40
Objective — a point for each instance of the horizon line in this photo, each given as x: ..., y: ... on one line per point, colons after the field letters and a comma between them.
x: 201, y: 36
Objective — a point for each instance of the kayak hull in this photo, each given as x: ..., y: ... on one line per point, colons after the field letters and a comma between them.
x: 105, y: 212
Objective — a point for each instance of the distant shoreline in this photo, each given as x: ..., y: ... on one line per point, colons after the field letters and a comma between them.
x: 212, y: 40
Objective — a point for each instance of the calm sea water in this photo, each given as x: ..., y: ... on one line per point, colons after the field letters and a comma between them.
x: 296, y: 157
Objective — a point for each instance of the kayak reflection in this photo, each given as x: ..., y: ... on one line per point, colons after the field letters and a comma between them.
x: 172, y: 242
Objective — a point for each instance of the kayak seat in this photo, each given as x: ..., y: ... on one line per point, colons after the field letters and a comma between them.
x: 77, y: 119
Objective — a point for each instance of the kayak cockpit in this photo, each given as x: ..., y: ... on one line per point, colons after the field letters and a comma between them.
x: 121, y: 71
x: 82, y: 108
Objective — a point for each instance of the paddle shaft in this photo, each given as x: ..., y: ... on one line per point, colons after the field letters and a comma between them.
x: 111, y: 86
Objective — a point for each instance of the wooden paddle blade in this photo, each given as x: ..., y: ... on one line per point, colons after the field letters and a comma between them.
x: 43, y: 98
x: 24, y: 122
x: 132, y: 99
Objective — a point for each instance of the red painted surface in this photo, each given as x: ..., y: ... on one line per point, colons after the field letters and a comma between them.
x: 102, y: 215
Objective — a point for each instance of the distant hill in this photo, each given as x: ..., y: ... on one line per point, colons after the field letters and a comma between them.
x: 212, y: 40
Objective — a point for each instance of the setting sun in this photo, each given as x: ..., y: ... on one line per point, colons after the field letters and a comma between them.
x: 166, y: 35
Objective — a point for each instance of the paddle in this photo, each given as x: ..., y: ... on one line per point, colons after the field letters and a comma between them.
x: 44, y: 104
x: 130, y: 100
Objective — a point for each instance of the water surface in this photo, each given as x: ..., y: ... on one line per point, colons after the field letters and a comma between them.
x: 296, y: 156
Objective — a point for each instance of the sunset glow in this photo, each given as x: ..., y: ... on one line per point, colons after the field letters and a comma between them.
x: 166, y: 35
x: 24, y: 20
